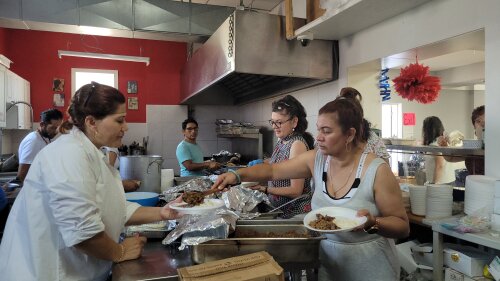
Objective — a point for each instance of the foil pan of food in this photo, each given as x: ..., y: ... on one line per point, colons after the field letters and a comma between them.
x: 244, y: 201
x: 156, y: 230
x: 197, y: 184
x: 287, y: 243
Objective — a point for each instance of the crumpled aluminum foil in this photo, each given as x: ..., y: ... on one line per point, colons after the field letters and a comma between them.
x: 197, y: 229
x: 244, y: 200
x: 198, y: 184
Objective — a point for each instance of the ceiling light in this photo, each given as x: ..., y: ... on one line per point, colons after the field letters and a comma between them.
x: 95, y: 30
x: 102, y: 56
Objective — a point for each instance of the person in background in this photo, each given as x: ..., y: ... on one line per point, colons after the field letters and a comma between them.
x: 50, y: 120
x: 345, y: 175
x: 373, y: 143
x: 288, y: 120
x: 474, y: 164
x: 66, y: 222
x: 112, y: 154
x: 189, y: 154
x: 437, y: 169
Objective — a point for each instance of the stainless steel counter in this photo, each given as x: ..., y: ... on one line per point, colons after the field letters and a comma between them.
x: 158, y: 262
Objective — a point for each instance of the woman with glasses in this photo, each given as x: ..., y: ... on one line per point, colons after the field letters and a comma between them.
x: 66, y: 221
x: 288, y: 120
x: 344, y: 175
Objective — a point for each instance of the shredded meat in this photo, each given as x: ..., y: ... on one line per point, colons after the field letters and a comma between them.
x: 256, y: 234
x: 193, y: 198
x: 323, y: 223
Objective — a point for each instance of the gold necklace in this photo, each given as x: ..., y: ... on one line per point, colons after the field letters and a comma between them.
x: 336, y: 191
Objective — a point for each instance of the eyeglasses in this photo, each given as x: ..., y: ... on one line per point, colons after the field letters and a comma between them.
x: 277, y: 123
x: 192, y: 129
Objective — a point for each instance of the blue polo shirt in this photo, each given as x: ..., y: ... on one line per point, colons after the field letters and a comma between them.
x: 189, y: 151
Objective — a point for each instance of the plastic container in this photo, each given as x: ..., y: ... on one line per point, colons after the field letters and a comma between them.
x: 143, y: 198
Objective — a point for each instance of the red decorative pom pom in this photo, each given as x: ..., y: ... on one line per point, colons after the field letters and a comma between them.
x: 414, y: 83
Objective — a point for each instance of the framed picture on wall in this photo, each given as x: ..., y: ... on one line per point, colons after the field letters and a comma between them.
x: 58, y: 99
x: 132, y: 87
x: 58, y: 85
x: 133, y: 103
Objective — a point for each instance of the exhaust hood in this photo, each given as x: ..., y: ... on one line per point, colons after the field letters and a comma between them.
x: 248, y: 58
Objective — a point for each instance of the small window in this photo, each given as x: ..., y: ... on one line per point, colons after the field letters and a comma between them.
x: 82, y: 76
x: 392, y: 127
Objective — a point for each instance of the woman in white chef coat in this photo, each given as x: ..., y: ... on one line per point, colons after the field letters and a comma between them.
x: 345, y: 175
x: 66, y: 222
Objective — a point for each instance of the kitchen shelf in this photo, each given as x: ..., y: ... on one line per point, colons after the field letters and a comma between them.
x: 250, y: 146
x: 483, y: 239
x: 447, y: 151
x: 246, y: 136
x: 354, y: 16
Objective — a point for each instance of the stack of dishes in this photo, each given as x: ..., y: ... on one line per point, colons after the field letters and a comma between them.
x: 479, y: 192
x: 418, y: 199
x: 439, y: 201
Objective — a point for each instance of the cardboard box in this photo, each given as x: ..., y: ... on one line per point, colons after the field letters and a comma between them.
x: 453, y: 275
x: 467, y: 260
x: 258, y: 266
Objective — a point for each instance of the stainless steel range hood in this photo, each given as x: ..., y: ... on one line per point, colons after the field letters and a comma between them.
x: 248, y: 58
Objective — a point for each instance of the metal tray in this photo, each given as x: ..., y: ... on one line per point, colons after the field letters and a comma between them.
x: 266, y: 221
x: 284, y: 250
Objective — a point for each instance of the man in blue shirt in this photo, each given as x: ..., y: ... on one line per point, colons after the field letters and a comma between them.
x: 189, y: 153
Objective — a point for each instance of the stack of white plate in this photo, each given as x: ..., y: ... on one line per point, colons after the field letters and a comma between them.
x: 417, y: 199
x: 439, y: 201
x: 479, y: 192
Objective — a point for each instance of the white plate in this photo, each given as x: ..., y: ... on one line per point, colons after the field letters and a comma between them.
x: 208, y: 204
x: 341, y: 214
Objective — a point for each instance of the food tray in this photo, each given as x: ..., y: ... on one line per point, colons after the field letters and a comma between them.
x: 284, y: 250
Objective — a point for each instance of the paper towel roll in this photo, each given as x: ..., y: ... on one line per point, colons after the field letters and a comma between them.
x: 495, y: 222
x: 167, y: 178
x: 478, y: 193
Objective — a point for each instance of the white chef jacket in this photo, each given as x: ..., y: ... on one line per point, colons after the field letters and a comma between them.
x: 69, y: 195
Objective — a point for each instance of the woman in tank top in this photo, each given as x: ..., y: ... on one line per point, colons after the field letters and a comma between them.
x: 344, y: 175
x: 288, y: 120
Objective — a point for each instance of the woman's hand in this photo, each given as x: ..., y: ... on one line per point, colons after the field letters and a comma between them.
x: 166, y: 213
x: 369, y: 222
x: 131, y: 185
x: 133, y: 247
x: 224, y: 180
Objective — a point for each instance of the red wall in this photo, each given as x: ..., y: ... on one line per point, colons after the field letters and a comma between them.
x: 34, y: 56
x: 3, y: 41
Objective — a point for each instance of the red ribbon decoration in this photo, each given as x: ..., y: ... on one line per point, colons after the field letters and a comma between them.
x: 415, y: 83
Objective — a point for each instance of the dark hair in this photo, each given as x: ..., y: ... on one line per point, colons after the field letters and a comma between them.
x: 351, y: 93
x: 291, y: 106
x: 187, y: 121
x: 478, y: 111
x: 95, y: 100
x: 50, y: 114
x: 432, y: 129
x: 349, y: 115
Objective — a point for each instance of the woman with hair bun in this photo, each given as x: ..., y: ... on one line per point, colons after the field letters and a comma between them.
x: 66, y: 222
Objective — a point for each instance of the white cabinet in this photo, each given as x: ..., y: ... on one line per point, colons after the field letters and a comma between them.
x: 3, y: 86
x: 17, y: 89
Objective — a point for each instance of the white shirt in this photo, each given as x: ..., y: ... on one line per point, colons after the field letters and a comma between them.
x: 30, y: 146
x: 448, y: 172
x: 106, y: 150
x: 69, y: 195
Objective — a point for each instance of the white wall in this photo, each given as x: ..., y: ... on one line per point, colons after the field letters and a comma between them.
x: 434, y: 21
